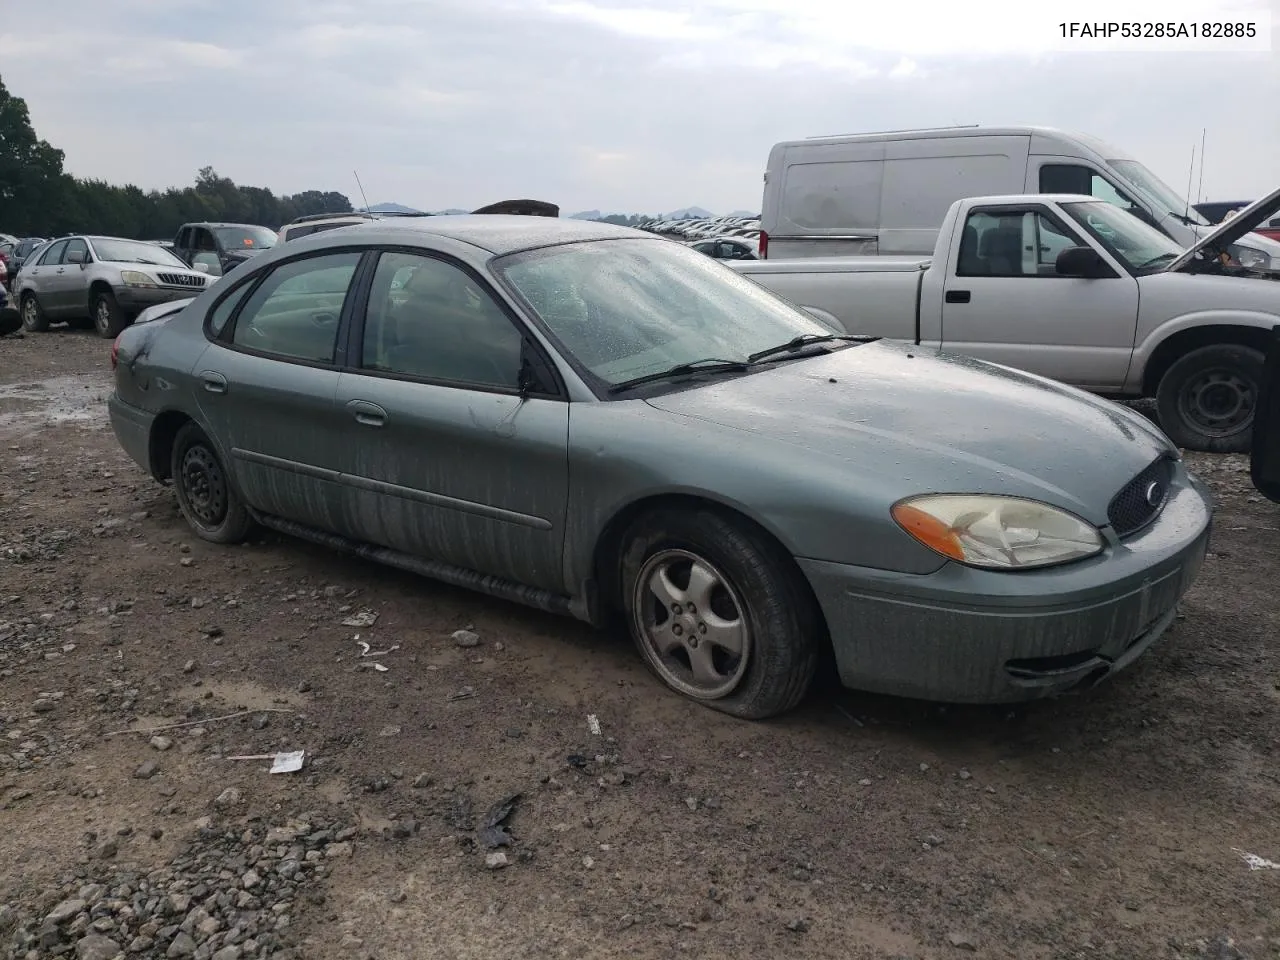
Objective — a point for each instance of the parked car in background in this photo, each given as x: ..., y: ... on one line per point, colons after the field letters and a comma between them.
x: 494, y: 401
x: 319, y: 222
x: 1074, y: 288
x: 726, y: 248
x: 20, y: 251
x: 887, y: 193
x: 221, y: 246
x: 1216, y: 211
x: 101, y: 282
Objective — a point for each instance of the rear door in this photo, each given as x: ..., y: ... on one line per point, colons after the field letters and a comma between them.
x: 68, y: 286
x: 267, y: 383
x: 1265, y: 456
x: 1004, y: 300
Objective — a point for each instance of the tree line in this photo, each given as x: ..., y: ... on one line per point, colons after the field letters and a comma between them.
x: 39, y: 198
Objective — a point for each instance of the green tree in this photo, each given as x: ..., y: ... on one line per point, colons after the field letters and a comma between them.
x: 31, y: 177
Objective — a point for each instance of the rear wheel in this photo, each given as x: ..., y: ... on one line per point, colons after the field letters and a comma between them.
x: 108, y: 318
x: 719, y: 612
x: 1206, y: 399
x: 205, y: 495
x: 33, y: 318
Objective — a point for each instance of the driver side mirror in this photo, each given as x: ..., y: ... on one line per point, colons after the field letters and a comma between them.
x: 201, y: 268
x: 1083, y: 263
x: 76, y: 256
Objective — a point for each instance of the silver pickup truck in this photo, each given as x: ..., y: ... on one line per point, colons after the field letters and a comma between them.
x: 1072, y: 288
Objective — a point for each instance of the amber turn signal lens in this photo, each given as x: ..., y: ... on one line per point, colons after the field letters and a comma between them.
x: 929, y: 530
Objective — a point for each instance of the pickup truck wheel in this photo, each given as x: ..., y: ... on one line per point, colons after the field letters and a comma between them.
x: 33, y: 318
x: 1206, y: 400
x: 719, y: 613
x: 108, y: 318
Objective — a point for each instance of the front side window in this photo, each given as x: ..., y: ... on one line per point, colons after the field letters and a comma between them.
x: 1076, y: 178
x: 77, y: 251
x: 1012, y: 243
x: 1139, y: 245
x: 632, y: 307
x: 294, y: 312
x: 53, y: 255
x: 1147, y: 182
x: 429, y: 319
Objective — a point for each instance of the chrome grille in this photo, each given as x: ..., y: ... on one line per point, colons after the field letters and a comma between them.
x: 180, y: 279
x: 1139, y: 501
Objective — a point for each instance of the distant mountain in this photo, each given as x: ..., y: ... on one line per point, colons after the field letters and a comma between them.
x: 688, y: 213
x: 391, y: 208
x: 586, y: 215
x: 451, y: 212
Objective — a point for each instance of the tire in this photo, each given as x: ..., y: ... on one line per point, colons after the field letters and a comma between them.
x: 108, y: 318
x: 1206, y: 400
x: 33, y: 318
x: 206, y: 496
x: 753, y: 594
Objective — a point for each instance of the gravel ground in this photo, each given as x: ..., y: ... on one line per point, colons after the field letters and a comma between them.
x: 458, y: 804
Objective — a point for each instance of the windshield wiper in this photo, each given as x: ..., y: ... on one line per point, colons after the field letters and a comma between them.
x: 1156, y: 261
x: 707, y: 365
x: 797, y: 343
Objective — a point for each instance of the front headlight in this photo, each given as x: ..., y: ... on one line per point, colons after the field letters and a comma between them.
x: 1006, y: 533
x: 134, y: 278
x: 1249, y: 258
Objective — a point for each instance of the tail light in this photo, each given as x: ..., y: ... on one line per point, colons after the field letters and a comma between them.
x: 115, y: 353
x: 764, y: 245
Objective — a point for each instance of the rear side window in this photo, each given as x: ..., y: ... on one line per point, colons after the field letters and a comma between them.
x: 223, y: 311
x: 294, y: 312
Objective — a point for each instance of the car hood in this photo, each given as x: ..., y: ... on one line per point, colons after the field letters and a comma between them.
x: 904, y: 421
x: 1230, y: 231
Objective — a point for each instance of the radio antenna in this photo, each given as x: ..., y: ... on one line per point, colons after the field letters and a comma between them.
x: 1190, y: 174
x: 366, y: 199
x: 1204, y: 133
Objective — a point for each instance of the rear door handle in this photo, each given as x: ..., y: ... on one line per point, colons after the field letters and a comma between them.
x: 367, y: 414
x: 958, y: 296
x: 213, y: 382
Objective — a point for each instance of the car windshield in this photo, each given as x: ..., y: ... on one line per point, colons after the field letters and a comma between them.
x: 1139, y: 245
x: 630, y: 308
x: 133, y: 251
x: 245, y: 238
x: 1146, y: 181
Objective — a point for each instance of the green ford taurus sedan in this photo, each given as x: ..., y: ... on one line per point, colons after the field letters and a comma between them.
x: 600, y: 422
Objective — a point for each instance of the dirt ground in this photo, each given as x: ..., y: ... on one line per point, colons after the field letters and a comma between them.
x: 1114, y: 824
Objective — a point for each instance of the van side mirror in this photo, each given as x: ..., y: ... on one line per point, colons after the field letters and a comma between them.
x: 1084, y: 263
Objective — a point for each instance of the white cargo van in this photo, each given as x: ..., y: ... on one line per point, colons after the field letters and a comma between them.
x: 887, y: 193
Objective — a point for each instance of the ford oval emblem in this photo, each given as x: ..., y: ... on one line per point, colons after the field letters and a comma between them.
x: 1155, y: 493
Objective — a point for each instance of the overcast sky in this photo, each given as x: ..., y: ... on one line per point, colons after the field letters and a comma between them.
x: 621, y: 105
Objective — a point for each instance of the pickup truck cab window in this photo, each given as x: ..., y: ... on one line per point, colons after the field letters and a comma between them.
x: 1012, y: 243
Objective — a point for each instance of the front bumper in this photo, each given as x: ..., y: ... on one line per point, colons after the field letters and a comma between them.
x: 132, y: 428
x: 137, y: 299
x: 963, y: 635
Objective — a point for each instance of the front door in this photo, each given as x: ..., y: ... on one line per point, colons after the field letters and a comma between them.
x: 1004, y: 301
x: 1265, y: 456
x: 443, y: 456
x: 267, y: 385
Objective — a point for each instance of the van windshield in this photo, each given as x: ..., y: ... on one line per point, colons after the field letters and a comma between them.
x: 1146, y: 181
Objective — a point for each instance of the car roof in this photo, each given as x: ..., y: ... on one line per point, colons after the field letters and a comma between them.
x: 498, y: 234
x: 220, y: 223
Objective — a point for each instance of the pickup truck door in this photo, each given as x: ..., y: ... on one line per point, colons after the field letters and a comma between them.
x: 1003, y: 300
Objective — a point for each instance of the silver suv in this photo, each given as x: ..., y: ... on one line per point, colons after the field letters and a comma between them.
x: 103, y: 281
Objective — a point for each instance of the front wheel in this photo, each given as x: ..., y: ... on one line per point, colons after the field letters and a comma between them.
x: 205, y: 494
x: 719, y: 612
x: 108, y: 318
x: 1206, y: 399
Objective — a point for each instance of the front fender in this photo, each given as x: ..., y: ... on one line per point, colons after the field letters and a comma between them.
x: 1146, y: 348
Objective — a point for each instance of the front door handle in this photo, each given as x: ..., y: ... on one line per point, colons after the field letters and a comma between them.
x: 213, y: 382
x: 958, y: 296
x: 367, y: 414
